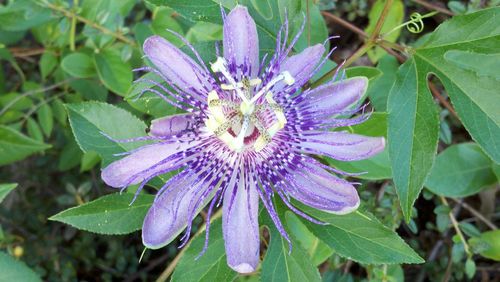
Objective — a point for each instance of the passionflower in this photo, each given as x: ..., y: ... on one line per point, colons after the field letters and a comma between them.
x: 249, y: 132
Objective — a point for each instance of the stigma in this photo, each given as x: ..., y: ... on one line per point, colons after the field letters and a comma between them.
x: 242, y: 120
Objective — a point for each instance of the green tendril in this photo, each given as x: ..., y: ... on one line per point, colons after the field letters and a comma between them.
x: 414, y: 25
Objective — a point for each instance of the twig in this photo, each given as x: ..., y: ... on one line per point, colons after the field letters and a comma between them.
x: 457, y: 228
x: 435, y: 92
x: 29, y: 93
x: 431, y: 6
x: 476, y: 214
x: 26, y: 52
x: 344, y: 23
x: 90, y: 23
x: 381, y: 20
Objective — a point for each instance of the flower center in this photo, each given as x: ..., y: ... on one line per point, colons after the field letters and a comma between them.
x: 249, y: 124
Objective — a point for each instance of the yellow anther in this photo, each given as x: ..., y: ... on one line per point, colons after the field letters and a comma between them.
x: 215, y: 110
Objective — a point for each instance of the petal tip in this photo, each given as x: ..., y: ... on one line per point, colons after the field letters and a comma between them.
x: 243, y: 268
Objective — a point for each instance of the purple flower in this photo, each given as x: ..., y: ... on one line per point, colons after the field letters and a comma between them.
x: 248, y: 133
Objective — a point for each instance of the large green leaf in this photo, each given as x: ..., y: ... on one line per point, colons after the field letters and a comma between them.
x: 14, y: 270
x: 114, y: 73
x: 475, y: 96
x: 412, y: 133
x: 110, y: 214
x: 15, y: 146
x: 460, y: 170
x: 282, y: 265
x: 89, y: 120
x: 378, y: 91
x: 212, y: 266
x: 5, y: 189
x: 362, y: 238
x: 413, y: 121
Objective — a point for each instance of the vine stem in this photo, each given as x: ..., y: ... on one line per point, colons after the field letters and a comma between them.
x: 434, y: 7
x: 170, y: 268
x: 372, y: 41
x: 90, y: 23
x: 454, y: 222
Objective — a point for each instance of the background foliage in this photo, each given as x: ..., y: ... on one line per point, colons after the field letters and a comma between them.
x: 66, y: 76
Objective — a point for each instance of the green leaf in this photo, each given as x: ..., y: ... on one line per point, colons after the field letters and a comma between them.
x: 34, y: 130
x: 474, y: 97
x: 394, y: 18
x: 15, y: 146
x: 89, y: 119
x: 46, y: 119
x: 90, y: 89
x: 460, y: 171
x: 79, y: 65
x: 491, y: 239
x: 377, y: 167
x: 110, y: 214
x: 89, y: 160
x: 378, y: 90
x: 362, y: 238
x: 14, y: 270
x: 48, y: 62
x: 470, y: 268
x: 317, y: 249
x: 481, y: 64
x: 115, y: 74
x: 5, y: 189
x: 212, y: 266
x: 281, y: 265
x: 413, y: 132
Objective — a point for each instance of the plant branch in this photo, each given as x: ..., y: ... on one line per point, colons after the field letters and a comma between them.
x: 431, y: 6
x: 90, y: 23
x: 381, y: 20
x: 454, y: 222
x: 476, y: 214
x: 435, y: 92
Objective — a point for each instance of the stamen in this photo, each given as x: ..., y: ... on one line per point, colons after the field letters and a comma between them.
x: 285, y: 76
x: 220, y: 65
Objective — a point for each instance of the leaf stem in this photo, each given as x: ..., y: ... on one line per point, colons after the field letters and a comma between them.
x: 90, y: 23
x: 456, y: 227
x: 381, y: 20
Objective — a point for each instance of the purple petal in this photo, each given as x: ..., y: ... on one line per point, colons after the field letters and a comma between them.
x: 343, y: 146
x: 241, y: 43
x: 335, y: 97
x: 168, y: 215
x: 319, y: 189
x: 171, y: 125
x: 141, y: 162
x: 176, y: 66
x: 241, y: 227
x: 302, y: 65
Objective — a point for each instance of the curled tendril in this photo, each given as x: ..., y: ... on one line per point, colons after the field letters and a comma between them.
x: 415, y: 24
